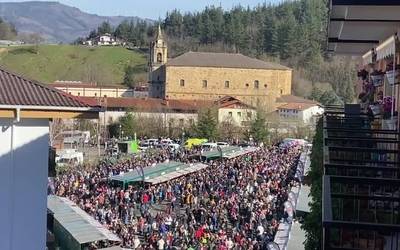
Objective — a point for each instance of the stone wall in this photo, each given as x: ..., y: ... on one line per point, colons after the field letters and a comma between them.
x: 271, y: 84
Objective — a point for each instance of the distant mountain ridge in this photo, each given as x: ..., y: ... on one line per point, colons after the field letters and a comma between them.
x: 54, y: 21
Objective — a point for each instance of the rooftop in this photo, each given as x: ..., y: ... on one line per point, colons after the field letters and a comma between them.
x: 154, y: 104
x: 222, y: 60
x: 81, y: 226
x: 297, y: 106
x: 16, y: 90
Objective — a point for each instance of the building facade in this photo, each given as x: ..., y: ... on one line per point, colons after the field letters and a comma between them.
x: 177, y: 113
x: 77, y: 88
x: 210, y: 76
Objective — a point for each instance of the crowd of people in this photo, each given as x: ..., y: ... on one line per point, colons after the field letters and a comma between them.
x: 232, y: 204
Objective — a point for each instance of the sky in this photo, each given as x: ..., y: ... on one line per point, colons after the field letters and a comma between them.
x: 153, y: 9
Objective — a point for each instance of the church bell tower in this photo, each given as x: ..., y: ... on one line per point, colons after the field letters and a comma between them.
x: 158, y: 51
x: 157, y: 60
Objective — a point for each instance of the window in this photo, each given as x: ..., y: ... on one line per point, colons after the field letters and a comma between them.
x: 247, y: 85
x: 265, y: 85
x: 239, y: 114
x: 205, y: 84
x: 281, y: 91
x: 230, y: 114
x: 227, y: 84
x: 256, y: 84
x: 248, y: 114
x: 95, y: 94
x: 79, y: 93
x: 181, y: 122
x: 159, y: 58
x: 191, y: 121
x: 182, y: 83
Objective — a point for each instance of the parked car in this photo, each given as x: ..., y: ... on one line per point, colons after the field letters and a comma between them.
x: 173, y: 146
x: 166, y: 141
x: 189, y: 143
x: 151, y: 142
x: 209, y: 146
x: 222, y: 144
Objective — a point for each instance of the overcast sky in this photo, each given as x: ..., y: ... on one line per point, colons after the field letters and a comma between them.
x: 149, y: 9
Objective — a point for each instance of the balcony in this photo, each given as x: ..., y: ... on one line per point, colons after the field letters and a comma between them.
x: 361, y: 184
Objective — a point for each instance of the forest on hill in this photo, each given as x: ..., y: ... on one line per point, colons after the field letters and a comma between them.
x: 292, y: 33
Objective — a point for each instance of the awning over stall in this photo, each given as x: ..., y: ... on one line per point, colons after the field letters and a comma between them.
x: 368, y: 57
x: 80, y: 225
x: 228, y: 152
x: 386, y: 48
x: 159, y: 173
x: 356, y: 26
x: 173, y: 175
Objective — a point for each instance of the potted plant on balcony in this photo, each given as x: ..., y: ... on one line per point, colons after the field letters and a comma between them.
x: 377, y: 78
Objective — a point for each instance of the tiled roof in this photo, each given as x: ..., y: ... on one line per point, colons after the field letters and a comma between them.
x: 294, y: 99
x: 159, y: 105
x: 150, y: 104
x: 229, y: 101
x: 222, y: 60
x: 16, y: 90
x: 297, y: 106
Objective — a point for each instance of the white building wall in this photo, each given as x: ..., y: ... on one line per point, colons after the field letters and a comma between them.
x: 23, y: 183
x: 112, y: 116
x: 237, y: 115
x: 308, y: 115
x: 101, y: 92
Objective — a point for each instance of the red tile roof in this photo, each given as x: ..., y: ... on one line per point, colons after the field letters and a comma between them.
x: 160, y: 105
x: 16, y: 90
x: 149, y: 104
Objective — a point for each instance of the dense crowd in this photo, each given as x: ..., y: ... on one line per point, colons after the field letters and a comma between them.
x: 233, y: 204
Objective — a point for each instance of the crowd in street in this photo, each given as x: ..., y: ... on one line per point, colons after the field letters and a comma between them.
x: 233, y: 204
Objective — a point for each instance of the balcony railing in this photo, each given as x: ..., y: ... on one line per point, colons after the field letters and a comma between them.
x: 361, y: 184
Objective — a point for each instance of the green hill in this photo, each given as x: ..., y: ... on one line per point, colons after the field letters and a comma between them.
x: 48, y: 63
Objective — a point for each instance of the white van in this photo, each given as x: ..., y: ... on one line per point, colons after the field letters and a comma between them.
x: 151, y: 142
x: 166, y: 141
x: 69, y: 158
x: 209, y: 146
x: 222, y: 144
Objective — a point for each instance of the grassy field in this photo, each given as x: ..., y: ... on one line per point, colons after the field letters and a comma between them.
x: 48, y: 63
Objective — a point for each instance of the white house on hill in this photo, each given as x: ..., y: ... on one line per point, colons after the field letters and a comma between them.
x: 103, y: 40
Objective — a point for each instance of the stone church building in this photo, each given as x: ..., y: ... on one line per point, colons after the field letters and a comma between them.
x: 210, y: 76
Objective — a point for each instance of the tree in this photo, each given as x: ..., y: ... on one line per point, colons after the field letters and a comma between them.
x: 129, y: 78
x: 128, y: 124
x: 207, y: 124
x: 258, y: 127
x: 104, y: 28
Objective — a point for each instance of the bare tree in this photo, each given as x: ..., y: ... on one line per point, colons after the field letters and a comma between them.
x: 56, y: 128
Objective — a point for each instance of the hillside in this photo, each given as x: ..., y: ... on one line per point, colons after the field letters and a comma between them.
x: 54, y: 21
x: 48, y: 63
